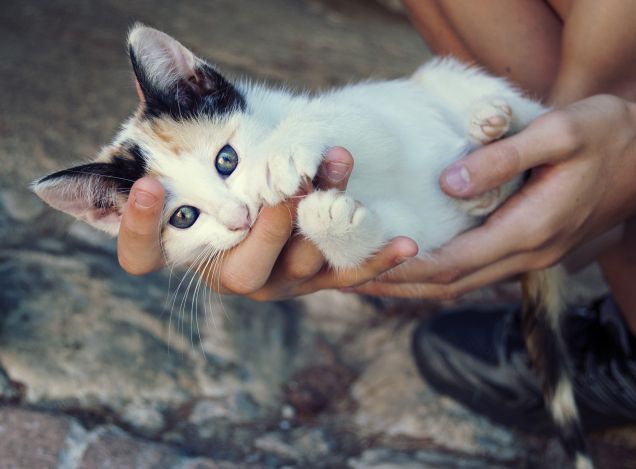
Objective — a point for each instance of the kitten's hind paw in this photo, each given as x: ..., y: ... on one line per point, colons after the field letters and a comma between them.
x: 346, y: 232
x: 489, y: 121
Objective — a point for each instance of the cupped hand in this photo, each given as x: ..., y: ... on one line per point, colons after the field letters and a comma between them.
x: 583, y: 161
x: 272, y: 262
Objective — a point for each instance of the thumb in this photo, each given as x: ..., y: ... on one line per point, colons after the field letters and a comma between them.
x: 138, y: 242
x: 335, y: 169
x: 548, y: 139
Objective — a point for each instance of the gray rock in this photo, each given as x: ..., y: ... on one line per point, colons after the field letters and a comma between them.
x: 21, y: 205
x: 30, y: 439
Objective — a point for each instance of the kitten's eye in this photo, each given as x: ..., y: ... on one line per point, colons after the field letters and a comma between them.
x: 226, y: 161
x: 184, y: 217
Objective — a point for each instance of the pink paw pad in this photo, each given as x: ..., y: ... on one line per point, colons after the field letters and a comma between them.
x: 490, y: 121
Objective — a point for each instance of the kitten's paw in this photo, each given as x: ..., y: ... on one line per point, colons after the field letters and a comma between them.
x: 285, y: 170
x: 489, y: 121
x: 346, y: 232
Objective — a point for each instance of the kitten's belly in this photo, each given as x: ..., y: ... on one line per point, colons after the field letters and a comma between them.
x: 430, y: 224
x: 401, y: 185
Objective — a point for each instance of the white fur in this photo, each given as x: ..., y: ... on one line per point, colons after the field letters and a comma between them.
x: 562, y: 407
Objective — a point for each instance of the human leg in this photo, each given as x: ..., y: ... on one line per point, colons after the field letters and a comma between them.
x: 513, y: 38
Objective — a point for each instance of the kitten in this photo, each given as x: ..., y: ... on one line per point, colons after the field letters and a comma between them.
x: 222, y: 150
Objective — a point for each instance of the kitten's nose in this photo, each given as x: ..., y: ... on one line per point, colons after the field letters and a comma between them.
x: 239, y: 219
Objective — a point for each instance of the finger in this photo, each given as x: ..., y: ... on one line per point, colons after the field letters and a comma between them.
x: 521, y: 225
x: 335, y: 169
x: 398, y: 250
x: 248, y: 266
x: 493, y: 273
x: 138, y: 243
x: 548, y: 139
x: 461, y: 256
x: 300, y: 260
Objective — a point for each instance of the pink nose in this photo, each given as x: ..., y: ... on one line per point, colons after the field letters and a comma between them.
x: 239, y: 220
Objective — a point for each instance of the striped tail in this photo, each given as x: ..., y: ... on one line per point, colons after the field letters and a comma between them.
x: 543, y: 305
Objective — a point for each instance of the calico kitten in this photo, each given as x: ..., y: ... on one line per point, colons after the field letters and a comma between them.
x: 222, y: 150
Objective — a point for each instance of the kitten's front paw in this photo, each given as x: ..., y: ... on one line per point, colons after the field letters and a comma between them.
x: 285, y: 169
x: 489, y: 121
x: 346, y: 232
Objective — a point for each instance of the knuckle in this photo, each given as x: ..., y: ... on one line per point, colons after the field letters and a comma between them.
x: 447, y: 293
x: 570, y: 135
x: 276, y: 232
x: 545, y: 259
x: 239, y: 283
x: 261, y: 295
x: 299, y: 271
x: 506, y: 161
x: 536, y: 239
x: 447, y: 277
x: 535, y: 235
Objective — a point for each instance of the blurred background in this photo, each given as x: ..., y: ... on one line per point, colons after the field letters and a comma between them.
x: 100, y: 369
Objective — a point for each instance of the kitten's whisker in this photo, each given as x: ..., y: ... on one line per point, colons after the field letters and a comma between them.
x: 215, y: 271
x: 219, y: 295
x: 183, y: 278
x: 194, y: 274
x: 217, y: 267
x: 212, y: 253
x: 197, y: 287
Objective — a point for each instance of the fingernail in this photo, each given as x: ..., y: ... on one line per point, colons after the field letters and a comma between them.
x: 457, y: 178
x: 335, y: 172
x: 144, y: 199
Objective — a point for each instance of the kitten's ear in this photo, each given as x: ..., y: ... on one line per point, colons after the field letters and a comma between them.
x: 94, y: 192
x: 172, y: 80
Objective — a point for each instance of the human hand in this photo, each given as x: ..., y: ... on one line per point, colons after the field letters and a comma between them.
x: 582, y: 184
x: 271, y: 263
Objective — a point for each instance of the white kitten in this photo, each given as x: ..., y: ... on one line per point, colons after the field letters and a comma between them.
x: 224, y: 150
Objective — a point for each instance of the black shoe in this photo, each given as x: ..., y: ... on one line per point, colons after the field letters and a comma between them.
x: 477, y: 356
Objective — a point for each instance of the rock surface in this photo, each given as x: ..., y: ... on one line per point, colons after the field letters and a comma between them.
x: 99, y: 369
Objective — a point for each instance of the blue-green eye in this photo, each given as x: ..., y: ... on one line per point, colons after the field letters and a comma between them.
x: 184, y: 217
x: 226, y: 161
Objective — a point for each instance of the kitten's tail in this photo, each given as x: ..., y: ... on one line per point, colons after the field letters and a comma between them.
x: 543, y: 305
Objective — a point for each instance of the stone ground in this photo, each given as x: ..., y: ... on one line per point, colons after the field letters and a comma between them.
x: 102, y: 370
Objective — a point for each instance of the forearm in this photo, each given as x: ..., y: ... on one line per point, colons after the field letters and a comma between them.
x: 598, y: 52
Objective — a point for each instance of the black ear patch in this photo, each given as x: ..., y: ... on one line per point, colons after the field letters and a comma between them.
x: 205, y: 92
x: 95, y: 192
x: 119, y: 175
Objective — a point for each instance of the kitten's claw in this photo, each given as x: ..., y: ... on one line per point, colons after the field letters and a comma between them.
x: 490, y: 121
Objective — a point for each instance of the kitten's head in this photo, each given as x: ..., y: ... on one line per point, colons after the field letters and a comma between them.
x: 190, y: 133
